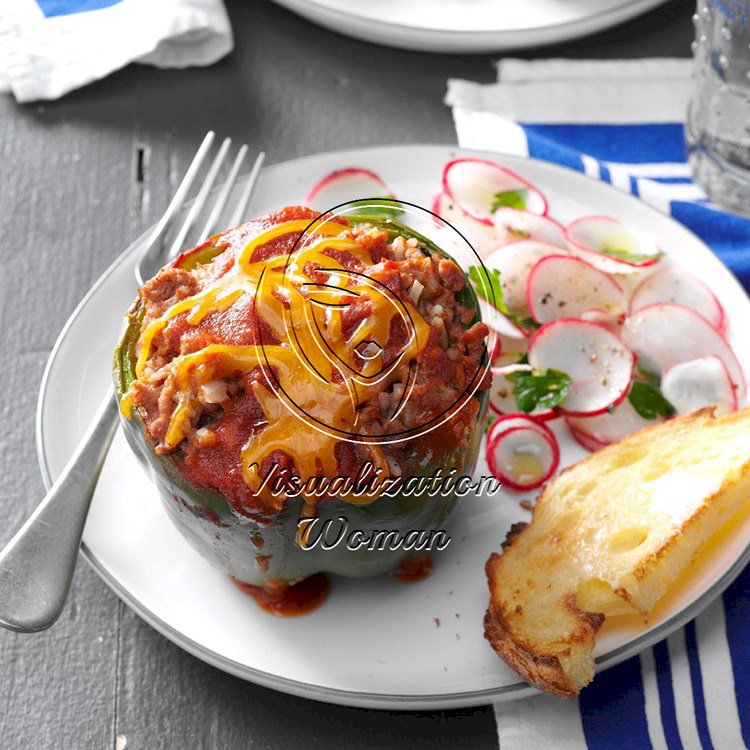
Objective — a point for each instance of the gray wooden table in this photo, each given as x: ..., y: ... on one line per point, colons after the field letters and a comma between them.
x: 72, y: 199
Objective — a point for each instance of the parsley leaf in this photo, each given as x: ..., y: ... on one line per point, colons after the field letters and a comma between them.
x: 544, y: 391
x: 528, y: 324
x: 488, y: 286
x: 510, y: 199
x: 648, y: 400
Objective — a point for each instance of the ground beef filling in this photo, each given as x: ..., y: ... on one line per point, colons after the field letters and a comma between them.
x: 230, y: 414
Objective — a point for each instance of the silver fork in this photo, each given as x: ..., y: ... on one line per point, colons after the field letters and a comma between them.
x: 37, y: 565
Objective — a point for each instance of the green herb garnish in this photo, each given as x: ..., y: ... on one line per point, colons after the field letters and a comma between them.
x: 648, y: 400
x: 489, y: 287
x: 539, y: 391
x: 510, y: 199
x: 528, y: 324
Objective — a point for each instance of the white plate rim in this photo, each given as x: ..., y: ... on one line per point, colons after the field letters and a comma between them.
x: 427, y: 39
x: 364, y: 699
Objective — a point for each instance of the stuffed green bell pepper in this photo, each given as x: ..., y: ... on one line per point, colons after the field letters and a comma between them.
x: 299, y: 370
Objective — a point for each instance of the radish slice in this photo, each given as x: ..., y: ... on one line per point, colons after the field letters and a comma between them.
x: 611, y: 321
x: 671, y: 285
x: 699, y: 382
x: 560, y: 286
x: 585, y: 440
x: 609, y: 427
x: 501, y: 324
x: 599, y: 365
x: 516, y: 225
x: 607, y: 244
x: 514, y: 262
x: 352, y: 183
x: 494, y: 348
x: 511, y: 350
x: 508, y: 351
x: 666, y: 334
x: 480, y: 236
x: 502, y: 400
x: 510, y: 369
x: 475, y: 185
x: 511, y: 421
x: 342, y: 185
x: 522, y: 458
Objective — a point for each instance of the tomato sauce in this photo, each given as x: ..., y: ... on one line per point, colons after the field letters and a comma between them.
x: 416, y: 569
x: 284, y: 600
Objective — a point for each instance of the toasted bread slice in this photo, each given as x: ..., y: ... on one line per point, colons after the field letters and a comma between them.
x: 607, y: 537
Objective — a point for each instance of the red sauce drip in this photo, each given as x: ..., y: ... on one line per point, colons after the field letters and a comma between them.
x: 416, y: 569
x: 284, y: 600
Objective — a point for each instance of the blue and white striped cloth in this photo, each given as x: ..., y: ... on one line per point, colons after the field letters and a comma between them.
x: 621, y: 122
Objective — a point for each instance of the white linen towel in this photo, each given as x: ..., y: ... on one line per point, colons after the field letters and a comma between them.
x: 50, y: 47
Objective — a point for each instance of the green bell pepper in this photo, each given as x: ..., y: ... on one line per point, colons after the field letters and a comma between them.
x: 266, y: 548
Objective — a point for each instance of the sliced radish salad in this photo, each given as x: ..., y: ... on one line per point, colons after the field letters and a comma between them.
x: 593, y: 325
x: 591, y: 322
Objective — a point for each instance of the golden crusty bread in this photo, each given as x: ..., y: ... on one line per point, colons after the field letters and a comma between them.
x: 607, y: 537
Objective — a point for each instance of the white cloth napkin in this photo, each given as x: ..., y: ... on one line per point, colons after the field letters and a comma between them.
x: 573, y: 92
x: 50, y: 47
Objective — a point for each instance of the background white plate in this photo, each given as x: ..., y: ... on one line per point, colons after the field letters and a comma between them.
x: 375, y: 642
x: 468, y: 25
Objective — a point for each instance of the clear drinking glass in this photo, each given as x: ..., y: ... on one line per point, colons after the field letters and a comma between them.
x: 718, y: 124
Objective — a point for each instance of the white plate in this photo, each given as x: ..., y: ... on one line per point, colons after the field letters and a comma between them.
x: 374, y: 643
x: 468, y: 25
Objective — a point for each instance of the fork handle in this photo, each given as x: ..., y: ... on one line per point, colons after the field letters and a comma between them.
x: 36, y: 566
